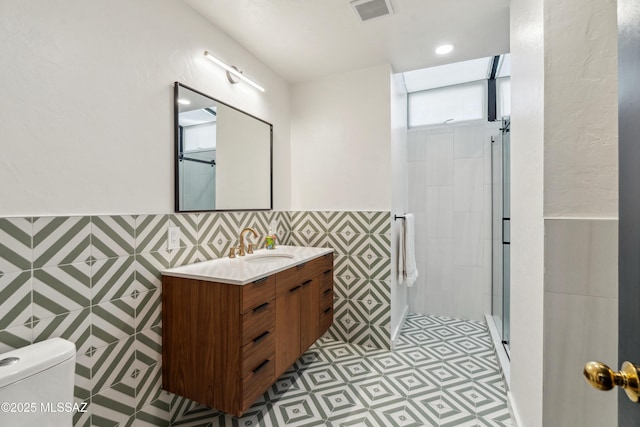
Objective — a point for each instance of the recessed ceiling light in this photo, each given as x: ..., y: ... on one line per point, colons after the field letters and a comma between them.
x: 184, y: 101
x: 444, y: 49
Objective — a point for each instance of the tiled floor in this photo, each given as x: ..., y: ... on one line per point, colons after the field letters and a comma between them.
x: 443, y: 372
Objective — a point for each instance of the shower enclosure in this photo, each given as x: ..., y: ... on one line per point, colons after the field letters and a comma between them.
x: 197, y: 172
x: 501, y: 217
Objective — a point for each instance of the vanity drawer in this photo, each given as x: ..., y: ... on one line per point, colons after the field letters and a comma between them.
x: 257, y: 381
x: 257, y: 350
x: 326, y: 299
x: 326, y: 281
x: 322, y: 265
x: 256, y: 293
x: 301, y: 273
x: 258, y: 320
x: 291, y: 278
x: 326, y: 319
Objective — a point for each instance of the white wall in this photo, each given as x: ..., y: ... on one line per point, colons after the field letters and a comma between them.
x: 527, y: 226
x: 581, y: 109
x: 450, y: 195
x: 581, y: 187
x: 87, y: 103
x: 399, y: 195
x: 340, y: 133
x: 564, y: 150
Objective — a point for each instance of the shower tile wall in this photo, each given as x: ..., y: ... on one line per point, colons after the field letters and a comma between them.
x: 450, y: 195
x: 95, y: 281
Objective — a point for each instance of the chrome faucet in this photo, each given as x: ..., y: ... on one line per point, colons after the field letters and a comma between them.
x: 250, y: 249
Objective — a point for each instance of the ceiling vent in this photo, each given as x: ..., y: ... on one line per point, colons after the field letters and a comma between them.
x: 368, y: 10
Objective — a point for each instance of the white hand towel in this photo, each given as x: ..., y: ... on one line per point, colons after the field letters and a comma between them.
x: 401, y: 255
x: 407, y: 254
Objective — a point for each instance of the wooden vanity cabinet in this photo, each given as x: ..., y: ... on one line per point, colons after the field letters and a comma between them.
x: 298, y: 320
x: 218, y: 341
x: 309, y: 314
x: 224, y: 345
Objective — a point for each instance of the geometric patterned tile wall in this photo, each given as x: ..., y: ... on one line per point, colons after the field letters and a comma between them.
x: 362, y: 244
x: 95, y: 281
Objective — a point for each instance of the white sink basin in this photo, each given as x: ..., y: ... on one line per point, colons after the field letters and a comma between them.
x: 268, y: 258
x: 247, y: 269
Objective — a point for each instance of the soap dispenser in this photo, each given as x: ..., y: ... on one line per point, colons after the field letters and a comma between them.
x: 270, y: 239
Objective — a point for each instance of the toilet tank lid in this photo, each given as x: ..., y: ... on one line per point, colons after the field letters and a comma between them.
x: 34, y: 359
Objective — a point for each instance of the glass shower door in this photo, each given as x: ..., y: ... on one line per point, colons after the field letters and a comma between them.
x: 501, y: 231
x: 506, y: 231
x: 496, y: 228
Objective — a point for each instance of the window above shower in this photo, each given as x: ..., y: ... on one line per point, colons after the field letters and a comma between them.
x: 451, y: 104
x: 458, y: 92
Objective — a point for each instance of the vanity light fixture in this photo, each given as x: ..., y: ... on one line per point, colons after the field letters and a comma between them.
x: 184, y: 101
x: 444, y: 49
x: 233, y: 71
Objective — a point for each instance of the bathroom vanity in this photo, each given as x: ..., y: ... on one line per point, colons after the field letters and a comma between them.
x: 231, y: 327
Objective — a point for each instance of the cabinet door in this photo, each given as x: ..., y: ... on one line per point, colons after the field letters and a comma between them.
x: 309, y: 313
x: 288, y: 328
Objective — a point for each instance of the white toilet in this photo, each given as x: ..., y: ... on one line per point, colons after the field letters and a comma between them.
x: 36, y: 385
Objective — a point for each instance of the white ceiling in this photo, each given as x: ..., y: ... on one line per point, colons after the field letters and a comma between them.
x: 302, y: 40
x: 447, y: 75
x: 456, y: 73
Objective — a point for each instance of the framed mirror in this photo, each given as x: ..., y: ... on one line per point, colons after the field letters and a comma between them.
x: 224, y: 156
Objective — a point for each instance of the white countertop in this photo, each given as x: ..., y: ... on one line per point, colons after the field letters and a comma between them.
x: 236, y: 271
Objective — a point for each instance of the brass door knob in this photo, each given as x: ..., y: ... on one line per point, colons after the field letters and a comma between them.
x: 603, y: 377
